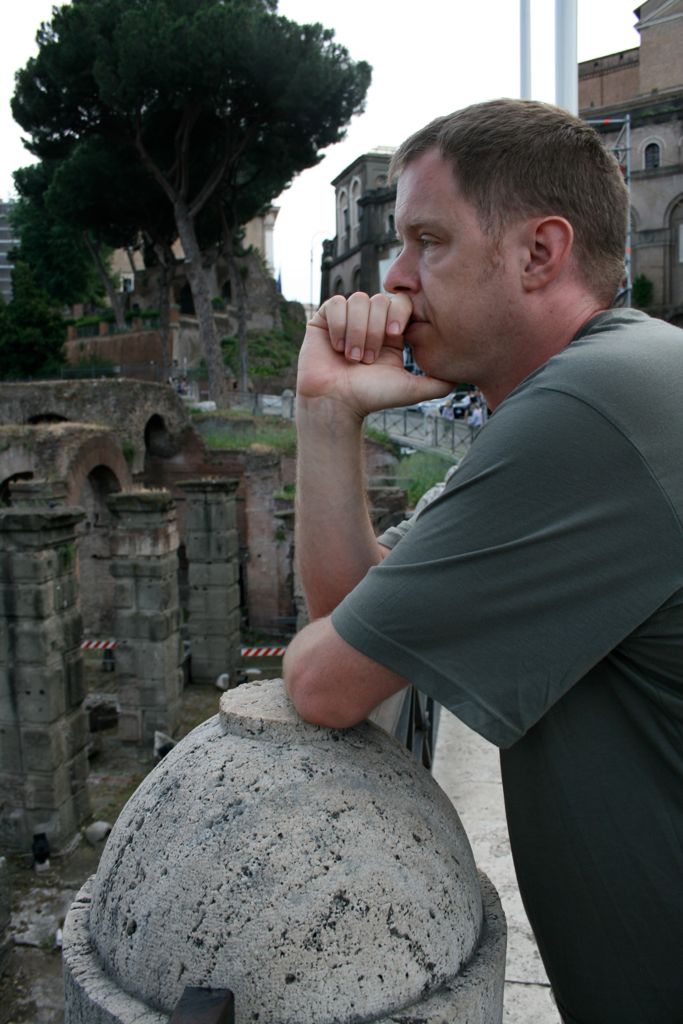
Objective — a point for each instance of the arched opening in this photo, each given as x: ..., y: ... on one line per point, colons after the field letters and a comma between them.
x: 6, y: 487
x: 47, y: 417
x: 653, y: 156
x: 355, y: 283
x: 158, y: 441
x: 226, y: 291
x: 339, y: 286
x: 185, y: 300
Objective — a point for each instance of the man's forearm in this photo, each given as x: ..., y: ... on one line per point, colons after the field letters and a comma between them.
x: 335, y: 542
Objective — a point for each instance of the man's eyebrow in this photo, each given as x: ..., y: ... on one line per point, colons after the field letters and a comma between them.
x: 415, y: 224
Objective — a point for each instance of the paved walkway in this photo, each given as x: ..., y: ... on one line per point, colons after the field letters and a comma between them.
x: 467, y: 768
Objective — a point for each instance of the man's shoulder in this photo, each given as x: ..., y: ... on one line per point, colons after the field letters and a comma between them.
x: 621, y: 363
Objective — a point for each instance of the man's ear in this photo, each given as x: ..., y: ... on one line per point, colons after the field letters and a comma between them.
x: 549, y: 243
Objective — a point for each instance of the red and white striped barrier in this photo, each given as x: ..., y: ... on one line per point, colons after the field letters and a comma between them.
x: 246, y: 652
x: 263, y: 652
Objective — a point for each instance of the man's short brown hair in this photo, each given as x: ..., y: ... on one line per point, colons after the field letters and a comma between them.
x: 517, y: 158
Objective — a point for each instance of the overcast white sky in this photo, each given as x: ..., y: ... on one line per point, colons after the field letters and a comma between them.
x: 429, y: 57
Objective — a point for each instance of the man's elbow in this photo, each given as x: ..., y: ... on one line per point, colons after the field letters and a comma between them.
x: 315, y: 703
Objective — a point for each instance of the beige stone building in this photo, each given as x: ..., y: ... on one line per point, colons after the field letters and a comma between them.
x: 645, y: 86
x: 365, y: 243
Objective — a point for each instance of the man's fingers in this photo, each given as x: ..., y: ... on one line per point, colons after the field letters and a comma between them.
x: 398, y: 314
x: 357, y: 313
x: 334, y: 313
x: 376, y: 327
x: 358, y: 326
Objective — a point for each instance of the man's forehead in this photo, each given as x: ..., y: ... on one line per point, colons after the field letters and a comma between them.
x: 427, y: 192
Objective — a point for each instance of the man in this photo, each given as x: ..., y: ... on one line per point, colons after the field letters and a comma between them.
x: 564, y: 520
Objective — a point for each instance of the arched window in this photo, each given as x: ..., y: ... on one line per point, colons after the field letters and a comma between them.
x: 339, y: 286
x: 391, y: 226
x: 653, y: 156
x: 355, y: 283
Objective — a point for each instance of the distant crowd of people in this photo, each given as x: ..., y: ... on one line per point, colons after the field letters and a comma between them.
x: 470, y: 407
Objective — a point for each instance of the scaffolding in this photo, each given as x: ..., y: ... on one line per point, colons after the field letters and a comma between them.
x: 621, y: 148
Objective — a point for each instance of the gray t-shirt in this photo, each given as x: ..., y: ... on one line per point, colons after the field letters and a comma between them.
x: 540, y: 598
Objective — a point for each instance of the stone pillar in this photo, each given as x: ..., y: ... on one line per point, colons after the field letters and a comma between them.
x: 262, y: 568
x: 146, y: 615
x: 5, y: 915
x: 212, y: 549
x: 39, y: 493
x: 43, y: 728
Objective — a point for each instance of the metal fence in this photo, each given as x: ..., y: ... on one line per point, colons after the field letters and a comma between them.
x: 414, y: 429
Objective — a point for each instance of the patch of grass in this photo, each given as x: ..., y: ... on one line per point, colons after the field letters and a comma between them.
x: 380, y: 437
x: 418, y: 472
x: 280, y: 435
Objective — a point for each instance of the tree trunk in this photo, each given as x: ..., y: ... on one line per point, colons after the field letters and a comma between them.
x: 116, y: 299
x: 237, y: 280
x: 166, y: 261
x: 202, y: 304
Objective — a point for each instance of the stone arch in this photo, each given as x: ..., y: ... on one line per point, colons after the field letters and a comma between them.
x: 355, y: 280
x: 343, y: 219
x: 674, y: 222
x: 338, y: 287
x: 100, y: 450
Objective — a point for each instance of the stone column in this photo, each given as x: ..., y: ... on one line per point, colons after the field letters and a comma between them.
x: 39, y: 493
x: 5, y: 916
x: 212, y: 549
x: 43, y: 728
x: 263, y: 482
x: 146, y: 615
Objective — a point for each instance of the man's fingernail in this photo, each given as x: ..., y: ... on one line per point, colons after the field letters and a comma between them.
x: 340, y: 345
x: 394, y: 327
x: 369, y: 357
x: 355, y: 354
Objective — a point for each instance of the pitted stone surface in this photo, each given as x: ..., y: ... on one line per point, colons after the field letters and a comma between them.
x: 321, y: 875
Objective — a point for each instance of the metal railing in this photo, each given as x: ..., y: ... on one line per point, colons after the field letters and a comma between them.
x: 408, y: 427
x: 414, y: 429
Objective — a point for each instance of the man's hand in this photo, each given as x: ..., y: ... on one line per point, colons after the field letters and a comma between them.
x: 353, y: 353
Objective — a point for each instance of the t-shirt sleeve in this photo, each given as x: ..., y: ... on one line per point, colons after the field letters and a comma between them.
x: 550, y: 545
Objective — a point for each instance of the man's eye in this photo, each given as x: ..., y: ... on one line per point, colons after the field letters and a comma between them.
x: 425, y: 241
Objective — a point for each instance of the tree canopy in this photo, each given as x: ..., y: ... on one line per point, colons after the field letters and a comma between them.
x: 52, y: 246
x: 219, y: 102
x: 31, y: 330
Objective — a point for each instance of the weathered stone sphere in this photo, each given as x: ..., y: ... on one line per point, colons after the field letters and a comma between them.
x: 321, y: 875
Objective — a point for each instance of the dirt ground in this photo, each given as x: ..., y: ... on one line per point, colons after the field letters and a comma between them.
x: 31, y: 990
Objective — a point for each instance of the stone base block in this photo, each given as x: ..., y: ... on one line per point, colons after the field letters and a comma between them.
x: 475, y: 996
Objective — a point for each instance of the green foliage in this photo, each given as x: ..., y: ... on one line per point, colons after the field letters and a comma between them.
x: 31, y: 330
x: 52, y: 247
x: 420, y: 471
x: 642, y: 292
x: 380, y: 437
x: 270, y: 352
x: 128, y: 452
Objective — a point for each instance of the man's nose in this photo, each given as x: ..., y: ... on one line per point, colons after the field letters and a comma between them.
x: 401, y: 277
